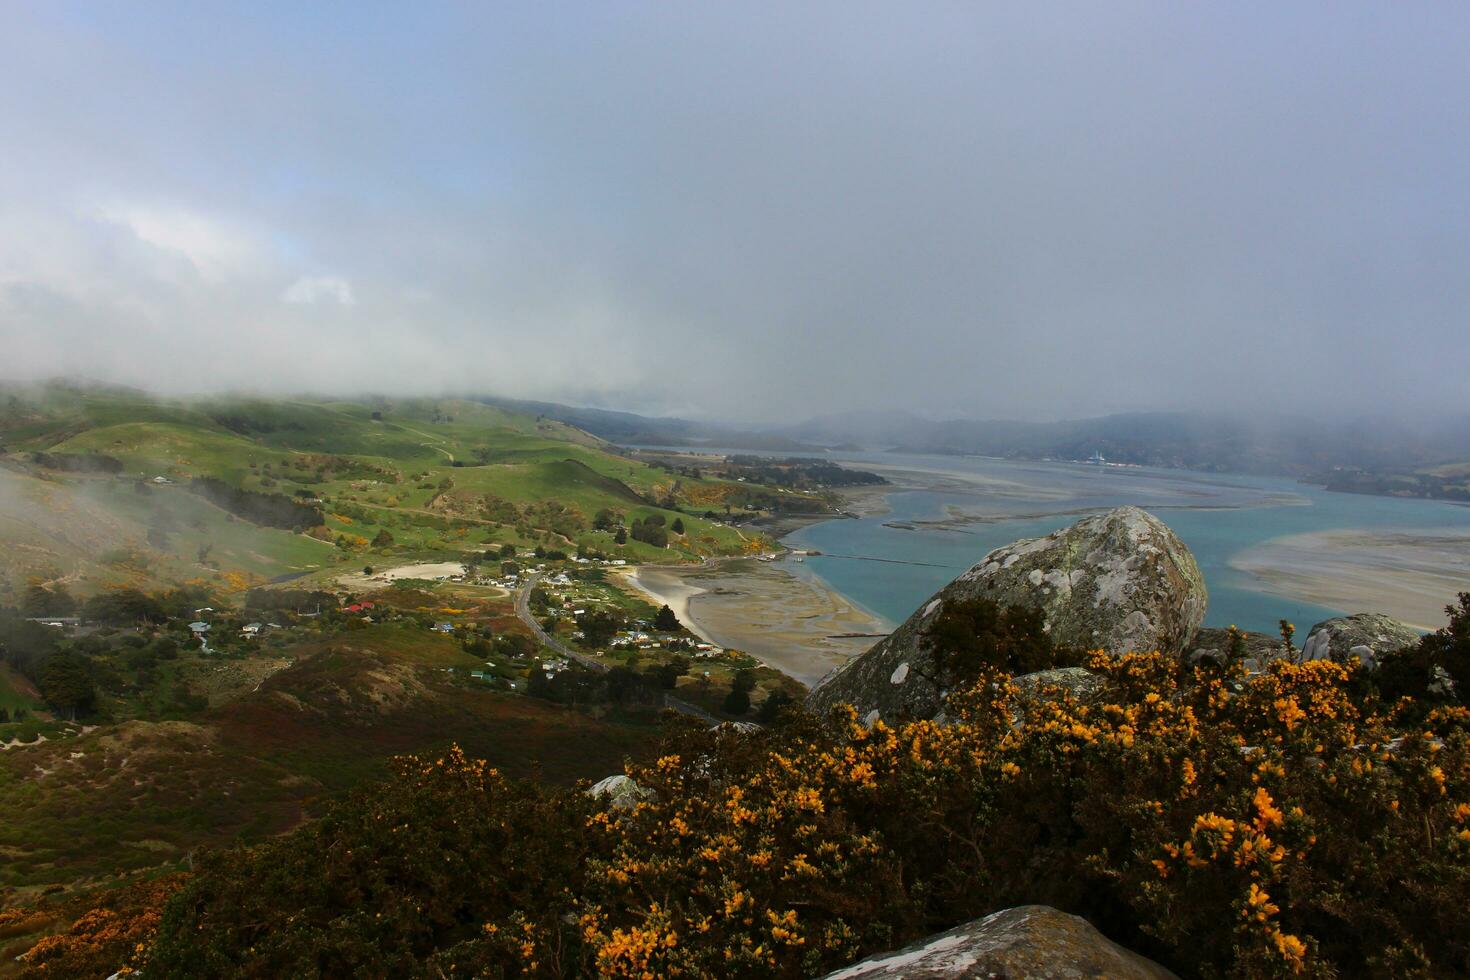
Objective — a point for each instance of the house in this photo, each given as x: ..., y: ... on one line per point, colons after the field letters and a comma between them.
x: 251, y: 629
x: 162, y: 480
x: 56, y: 622
x: 199, y: 629
x: 444, y: 627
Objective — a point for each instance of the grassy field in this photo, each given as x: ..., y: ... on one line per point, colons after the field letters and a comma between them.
x: 441, y: 477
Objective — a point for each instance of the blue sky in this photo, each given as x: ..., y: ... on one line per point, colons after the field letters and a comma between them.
x: 750, y: 211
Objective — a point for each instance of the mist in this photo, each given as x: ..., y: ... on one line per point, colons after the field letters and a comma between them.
x: 756, y: 213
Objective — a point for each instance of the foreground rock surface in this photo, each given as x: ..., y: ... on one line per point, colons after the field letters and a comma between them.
x: 1365, y: 638
x: 1119, y: 581
x: 1030, y: 942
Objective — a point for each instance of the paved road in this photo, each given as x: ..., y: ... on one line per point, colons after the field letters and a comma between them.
x: 523, y: 610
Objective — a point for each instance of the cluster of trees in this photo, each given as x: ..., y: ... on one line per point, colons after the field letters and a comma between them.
x: 64, y: 679
x: 665, y: 620
x: 651, y: 530
x: 114, y: 607
x: 1284, y: 823
x: 796, y: 473
x: 598, y: 627
x: 266, y: 509
x: 622, y: 686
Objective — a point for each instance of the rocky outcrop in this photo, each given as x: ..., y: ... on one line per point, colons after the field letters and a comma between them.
x: 1030, y: 942
x: 1119, y: 581
x: 1083, y: 685
x: 1365, y: 638
x: 1258, y: 649
x: 621, y: 792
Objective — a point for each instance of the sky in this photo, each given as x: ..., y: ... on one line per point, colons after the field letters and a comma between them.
x: 743, y: 211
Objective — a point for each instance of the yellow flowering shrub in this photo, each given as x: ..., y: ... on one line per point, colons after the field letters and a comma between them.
x: 1281, y: 824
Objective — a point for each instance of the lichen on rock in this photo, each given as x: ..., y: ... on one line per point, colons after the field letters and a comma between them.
x: 1030, y: 942
x: 1364, y: 637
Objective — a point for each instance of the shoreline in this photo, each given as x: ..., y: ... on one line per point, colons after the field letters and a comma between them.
x: 784, y: 616
x: 790, y: 622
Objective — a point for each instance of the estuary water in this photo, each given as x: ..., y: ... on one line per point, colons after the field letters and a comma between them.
x: 891, y: 563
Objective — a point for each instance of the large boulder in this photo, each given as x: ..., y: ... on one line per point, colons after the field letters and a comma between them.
x: 1119, y: 581
x: 1030, y: 942
x: 1365, y: 638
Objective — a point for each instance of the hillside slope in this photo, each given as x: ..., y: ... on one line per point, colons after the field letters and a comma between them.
x: 98, y: 487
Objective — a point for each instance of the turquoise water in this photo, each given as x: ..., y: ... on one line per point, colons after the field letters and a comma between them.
x: 1217, y: 516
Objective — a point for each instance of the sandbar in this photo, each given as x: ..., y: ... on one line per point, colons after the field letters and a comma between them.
x: 1409, y: 575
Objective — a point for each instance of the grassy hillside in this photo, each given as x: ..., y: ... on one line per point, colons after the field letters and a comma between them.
x: 95, y: 488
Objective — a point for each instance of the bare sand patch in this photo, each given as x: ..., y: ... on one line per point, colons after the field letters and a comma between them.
x: 422, y: 570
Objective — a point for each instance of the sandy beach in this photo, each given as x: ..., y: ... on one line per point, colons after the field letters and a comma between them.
x: 1410, y: 576
x: 785, y: 619
x: 386, y: 577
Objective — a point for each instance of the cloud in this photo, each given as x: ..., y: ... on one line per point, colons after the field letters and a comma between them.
x: 214, y: 248
x: 758, y: 212
x: 311, y: 290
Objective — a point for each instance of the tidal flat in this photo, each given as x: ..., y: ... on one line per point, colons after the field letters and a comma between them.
x: 1409, y: 575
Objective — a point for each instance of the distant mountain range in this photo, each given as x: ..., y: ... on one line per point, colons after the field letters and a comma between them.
x: 1287, y: 446
x: 628, y: 429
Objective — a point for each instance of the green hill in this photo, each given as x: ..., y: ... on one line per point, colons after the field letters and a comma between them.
x: 95, y: 487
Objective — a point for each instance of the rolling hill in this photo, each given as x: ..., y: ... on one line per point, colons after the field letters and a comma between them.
x: 100, y: 487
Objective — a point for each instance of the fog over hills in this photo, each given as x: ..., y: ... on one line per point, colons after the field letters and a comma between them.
x: 760, y: 213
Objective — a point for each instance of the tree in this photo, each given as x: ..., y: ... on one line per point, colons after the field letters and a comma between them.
x: 605, y: 519
x: 678, y: 526
x: 737, y: 702
x: 772, y: 706
x: 124, y: 607
x: 621, y: 537
x: 40, y: 601
x: 668, y: 674
x: 66, y: 684
x: 665, y: 619
x: 598, y: 627
x: 383, y: 539
x: 507, y: 550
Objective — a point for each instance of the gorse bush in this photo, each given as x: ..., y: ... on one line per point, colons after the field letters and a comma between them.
x: 1282, y: 824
